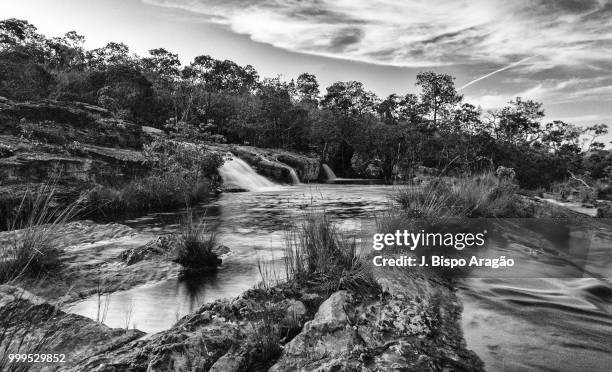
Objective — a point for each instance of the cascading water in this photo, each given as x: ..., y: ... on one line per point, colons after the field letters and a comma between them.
x: 236, y: 172
x: 329, y: 173
x: 295, y: 180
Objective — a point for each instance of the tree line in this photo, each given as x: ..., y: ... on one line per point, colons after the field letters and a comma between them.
x: 348, y: 126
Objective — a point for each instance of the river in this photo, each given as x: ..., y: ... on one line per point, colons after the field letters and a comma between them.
x: 560, y: 322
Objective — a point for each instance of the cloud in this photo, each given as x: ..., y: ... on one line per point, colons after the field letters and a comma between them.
x: 421, y: 33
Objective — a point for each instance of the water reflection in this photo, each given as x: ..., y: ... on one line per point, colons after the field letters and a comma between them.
x: 253, y: 226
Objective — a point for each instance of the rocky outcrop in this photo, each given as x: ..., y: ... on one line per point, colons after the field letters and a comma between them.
x: 99, y: 258
x: 277, y: 164
x: 63, y: 122
x: 36, y: 167
x: 225, y: 335
x: 413, y: 326
x: 31, y: 325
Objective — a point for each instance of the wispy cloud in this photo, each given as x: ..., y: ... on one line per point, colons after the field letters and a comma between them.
x: 421, y: 33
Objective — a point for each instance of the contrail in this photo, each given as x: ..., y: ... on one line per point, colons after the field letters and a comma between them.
x: 495, y: 72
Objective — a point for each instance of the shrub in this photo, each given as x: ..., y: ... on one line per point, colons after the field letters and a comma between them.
x: 316, y: 249
x: 481, y: 195
x: 195, y: 245
x: 182, y: 173
x: 153, y: 192
x: 31, y: 248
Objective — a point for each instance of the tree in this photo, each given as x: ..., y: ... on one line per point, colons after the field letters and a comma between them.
x: 558, y: 134
x: 438, y: 93
x: 111, y: 54
x: 14, y: 32
x: 349, y: 98
x: 388, y: 109
x: 519, y: 122
x: 162, y: 64
x: 222, y: 75
x: 307, y: 87
x: 594, y: 132
x: 66, y: 53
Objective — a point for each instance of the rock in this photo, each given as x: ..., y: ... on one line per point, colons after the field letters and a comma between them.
x: 394, y: 331
x: 161, y: 245
x: 325, y: 339
x: 278, y: 164
x: 63, y: 122
x: 228, y: 363
x: 295, y: 310
x: 194, y: 344
x: 29, y: 324
x: 307, y: 168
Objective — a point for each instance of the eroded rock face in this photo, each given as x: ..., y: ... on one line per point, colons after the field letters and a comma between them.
x: 31, y: 325
x: 415, y: 331
x: 64, y: 122
x: 277, y: 164
x: 31, y: 162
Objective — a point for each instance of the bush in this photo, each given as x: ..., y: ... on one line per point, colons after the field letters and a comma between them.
x: 182, y: 174
x: 31, y: 248
x: 195, y: 245
x: 153, y: 192
x: 316, y: 249
x: 470, y: 196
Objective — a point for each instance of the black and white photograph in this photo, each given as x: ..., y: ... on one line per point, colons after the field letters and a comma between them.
x: 293, y: 185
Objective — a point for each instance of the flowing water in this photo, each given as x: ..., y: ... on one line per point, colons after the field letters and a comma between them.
x: 548, y: 315
x: 252, y: 225
x: 553, y: 312
x: 237, y: 173
x: 329, y: 173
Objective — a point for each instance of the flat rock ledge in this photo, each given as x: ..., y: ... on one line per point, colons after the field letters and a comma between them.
x: 31, y: 325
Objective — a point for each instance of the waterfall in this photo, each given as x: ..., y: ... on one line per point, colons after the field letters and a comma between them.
x: 329, y: 173
x: 236, y: 172
x: 295, y: 180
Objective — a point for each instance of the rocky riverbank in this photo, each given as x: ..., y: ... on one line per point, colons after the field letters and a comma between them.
x: 410, y: 323
x: 79, y: 147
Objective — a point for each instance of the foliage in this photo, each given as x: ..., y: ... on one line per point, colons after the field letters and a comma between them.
x: 316, y: 248
x: 480, y: 195
x: 31, y: 248
x: 219, y: 100
x: 195, y: 243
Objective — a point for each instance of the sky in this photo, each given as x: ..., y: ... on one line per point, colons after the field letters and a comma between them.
x: 558, y: 52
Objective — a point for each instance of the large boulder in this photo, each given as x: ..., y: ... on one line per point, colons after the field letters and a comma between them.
x: 31, y: 325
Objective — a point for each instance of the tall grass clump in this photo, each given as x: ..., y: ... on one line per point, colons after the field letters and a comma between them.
x: 480, y: 195
x: 195, y: 244
x: 316, y: 250
x: 30, y: 248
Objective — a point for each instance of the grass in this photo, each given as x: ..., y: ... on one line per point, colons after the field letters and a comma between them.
x: 266, y: 340
x: 315, y: 248
x: 30, y: 247
x: 154, y: 192
x: 481, y: 195
x: 195, y: 244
